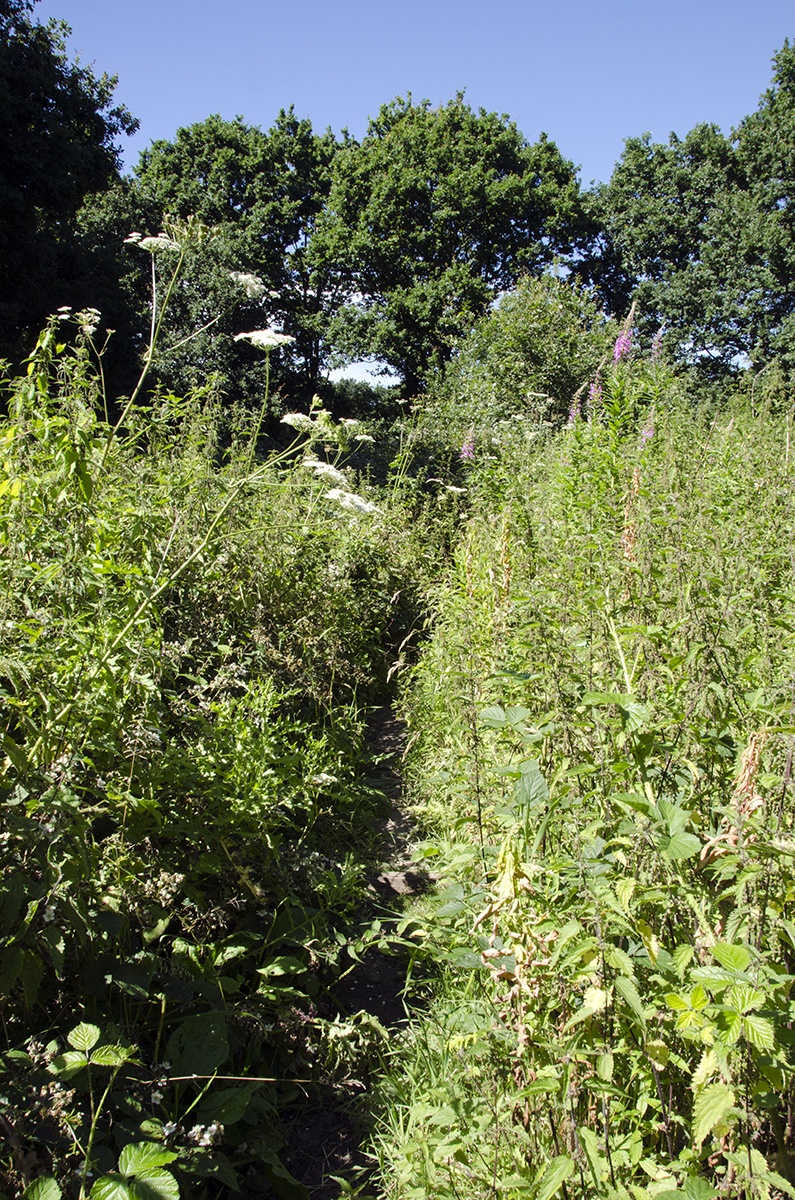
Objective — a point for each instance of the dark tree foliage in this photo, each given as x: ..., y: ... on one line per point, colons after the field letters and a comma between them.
x: 435, y: 213
x: 260, y: 193
x: 706, y: 228
x: 58, y: 143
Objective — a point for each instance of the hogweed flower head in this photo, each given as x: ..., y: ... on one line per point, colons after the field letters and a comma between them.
x: 352, y: 502
x: 299, y: 421
x: 265, y: 339
x: 324, y: 470
x: 252, y: 284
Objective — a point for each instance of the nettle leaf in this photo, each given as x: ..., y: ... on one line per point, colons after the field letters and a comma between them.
x: 83, y: 1036
x: 697, y: 1188
x: 604, y: 1067
x: 628, y: 989
x: 759, y: 1031
x: 555, y: 1174
x: 140, y: 1156
x: 736, y: 958
x: 683, y: 845
x: 711, y: 1106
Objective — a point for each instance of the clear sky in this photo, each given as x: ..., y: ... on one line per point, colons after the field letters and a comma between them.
x: 587, y: 73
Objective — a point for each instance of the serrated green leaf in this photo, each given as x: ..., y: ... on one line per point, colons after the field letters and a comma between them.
x: 110, y: 1056
x: 154, y: 1185
x: 140, y: 1156
x: 493, y: 717
x: 743, y: 998
x: 554, y: 1176
x: 711, y: 1105
x: 43, y: 1188
x: 697, y: 1188
x: 83, y: 1036
x: 759, y: 1031
x: 683, y: 845
x: 604, y: 1067
x: 682, y: 956
x: 627, y: 988
x: 110, y: 1187
x: 69, y: 1062
x: 590, y: 1145
x: 736, y: 958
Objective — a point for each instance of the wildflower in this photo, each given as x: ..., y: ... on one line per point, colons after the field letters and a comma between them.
x: 364, y: 437
x: 647, y: 432
x: 352, y: 502
x: 89, y: 320
x: 574, y: 412
x: 299, y: 421
x: 169, y: 1128
x: 623, y: 345
x: 49, y: 914
x: 251, y: 284
x: 322, y: 779
x: 156, y: 1095
x: 264, y: 339
x: 324, y: 470
x: 156, y: 245
x: 468, y: 449
x: 594, y: 399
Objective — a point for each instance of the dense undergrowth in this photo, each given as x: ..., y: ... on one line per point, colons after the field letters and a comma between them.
x: 602, y: 740
x: 191, y: 640
x: 601, y: 721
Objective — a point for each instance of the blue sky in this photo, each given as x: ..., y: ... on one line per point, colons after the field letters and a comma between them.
x: 588, y: 74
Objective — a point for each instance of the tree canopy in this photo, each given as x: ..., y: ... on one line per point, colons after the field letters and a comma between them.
x: 59, y: 134
x: 430, y: 217
x: 704, y: 226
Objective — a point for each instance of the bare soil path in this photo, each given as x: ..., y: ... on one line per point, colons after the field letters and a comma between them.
x: 327, y: 1136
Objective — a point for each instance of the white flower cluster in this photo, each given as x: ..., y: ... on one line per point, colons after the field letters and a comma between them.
x: 252, y: 285
x: 206, y: 1135
x: 322, y: 779
x: 299, y: 421
x: 155, y: 245
x: 324, y: 470
x: 265, y: 339
x: 352, y: 502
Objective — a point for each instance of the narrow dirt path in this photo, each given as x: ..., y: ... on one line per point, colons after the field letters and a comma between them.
x: 326, y: 1137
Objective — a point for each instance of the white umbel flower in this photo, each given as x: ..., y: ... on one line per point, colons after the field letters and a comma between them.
x: 324, y: 470
x: 352, y: 502
x: 265, y: 339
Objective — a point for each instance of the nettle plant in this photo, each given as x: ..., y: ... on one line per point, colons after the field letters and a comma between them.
x: 619, y: 748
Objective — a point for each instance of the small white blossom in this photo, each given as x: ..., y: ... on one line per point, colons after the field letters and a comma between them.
x: 364, y: 437
x: 352, y: 502
x: 265, y: 339
x: 322, y: 779
x: 169, y: 1128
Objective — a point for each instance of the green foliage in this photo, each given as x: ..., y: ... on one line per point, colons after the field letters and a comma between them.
x: 526, y: 358
x: 435, y: 213
x: 704, y: 225
x: 603, y: 741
